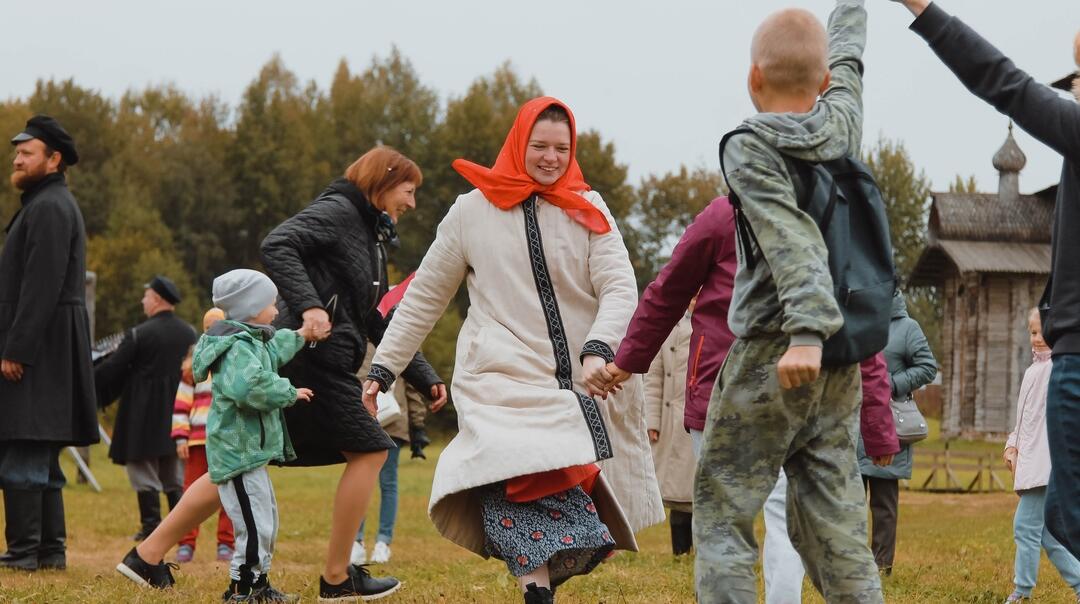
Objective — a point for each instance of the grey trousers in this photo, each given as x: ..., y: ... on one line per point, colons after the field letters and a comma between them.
x: 158, y: 474
x: 249, y: 501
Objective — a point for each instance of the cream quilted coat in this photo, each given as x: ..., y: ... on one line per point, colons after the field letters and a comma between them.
x: 542, y: 289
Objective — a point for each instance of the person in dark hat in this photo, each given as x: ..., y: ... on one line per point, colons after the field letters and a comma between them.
x: 145, y: 370
x: 46, y: 372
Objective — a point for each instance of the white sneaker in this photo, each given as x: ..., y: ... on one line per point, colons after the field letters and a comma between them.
x: 359, y: 553
x: 381, y: 554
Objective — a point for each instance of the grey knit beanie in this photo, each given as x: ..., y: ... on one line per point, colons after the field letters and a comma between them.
x: 243, y: 293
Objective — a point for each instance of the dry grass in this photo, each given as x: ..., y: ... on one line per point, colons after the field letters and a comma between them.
x: 952, y: 549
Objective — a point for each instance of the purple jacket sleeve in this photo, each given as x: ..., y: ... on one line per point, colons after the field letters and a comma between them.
x: 878, y: 429
x: 668, y: 296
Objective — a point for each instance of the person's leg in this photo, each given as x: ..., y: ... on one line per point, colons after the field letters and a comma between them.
x: 1027, y: 533
x: 541, y: 577
x: 171, y: 473
x: 781, y: 564
x: 826, y: 510
x: 143, y: 476
x: 53, y: 552
x: 249, y: 500
x: 352, y: 498
x: 735, y: 473
x: 388, y: 493
x: 199, y: 503
x: 682, y: 531
x: 697, y: 437
x: 1062, y: 425
x: 24, y: 476
x: 884, y: 506
x: 194, y: 468
x: 1066, y: 564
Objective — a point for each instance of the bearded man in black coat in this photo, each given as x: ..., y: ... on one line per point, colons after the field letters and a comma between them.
x: 145, y: 369
x: 46, y: 374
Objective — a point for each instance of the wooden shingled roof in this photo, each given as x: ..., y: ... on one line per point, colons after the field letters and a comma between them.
x: 980, y: 233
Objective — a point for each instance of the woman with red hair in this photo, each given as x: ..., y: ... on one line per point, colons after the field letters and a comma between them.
x: 551, y: 290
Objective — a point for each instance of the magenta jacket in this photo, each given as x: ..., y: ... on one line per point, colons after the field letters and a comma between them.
x: 704, y: 259
x: 876, y: 418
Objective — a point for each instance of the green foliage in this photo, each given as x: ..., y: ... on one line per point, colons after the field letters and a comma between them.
x: 663, y: 207
x: 907, y: 200
x: 960, y: 185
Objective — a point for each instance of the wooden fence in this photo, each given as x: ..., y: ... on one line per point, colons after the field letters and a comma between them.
x: 956, y: 472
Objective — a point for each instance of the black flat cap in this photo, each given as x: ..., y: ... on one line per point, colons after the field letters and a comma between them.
x: 50, y: 132
x: 165, y: 288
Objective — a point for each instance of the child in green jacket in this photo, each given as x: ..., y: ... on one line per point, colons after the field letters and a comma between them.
x: 245, y: 430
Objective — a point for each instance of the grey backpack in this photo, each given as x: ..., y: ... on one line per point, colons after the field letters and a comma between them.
x: 845, y: 203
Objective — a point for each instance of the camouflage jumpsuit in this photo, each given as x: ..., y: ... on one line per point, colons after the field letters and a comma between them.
x: 754, y: 427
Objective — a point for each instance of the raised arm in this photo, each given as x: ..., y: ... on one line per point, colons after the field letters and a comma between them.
x: 847, y: 40
x: 991, y: 76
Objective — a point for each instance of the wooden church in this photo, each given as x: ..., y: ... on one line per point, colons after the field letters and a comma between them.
x: 989, y: 256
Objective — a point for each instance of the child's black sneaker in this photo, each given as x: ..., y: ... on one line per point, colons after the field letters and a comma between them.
x: 360, y: 586
x: 265, y: 593
x: 235, y: 593
x: 158, y: 576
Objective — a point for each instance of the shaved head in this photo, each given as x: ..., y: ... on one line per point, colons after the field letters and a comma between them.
x: 791, y: 50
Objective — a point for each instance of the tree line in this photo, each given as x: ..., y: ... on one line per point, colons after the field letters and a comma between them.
x: 188, y: 187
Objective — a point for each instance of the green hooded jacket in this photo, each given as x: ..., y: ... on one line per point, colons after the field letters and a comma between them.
x: 245, y: 429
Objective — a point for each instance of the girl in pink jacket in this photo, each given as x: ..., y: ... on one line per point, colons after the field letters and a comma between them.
x: 1027, y: 455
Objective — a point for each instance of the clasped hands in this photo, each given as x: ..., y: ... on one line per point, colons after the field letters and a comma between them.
x: 602, y: 378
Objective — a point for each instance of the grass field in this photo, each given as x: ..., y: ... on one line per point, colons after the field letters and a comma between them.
x: 952, y: 548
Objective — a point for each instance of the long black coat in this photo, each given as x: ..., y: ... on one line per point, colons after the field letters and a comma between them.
x: 43, y: 321
x: 331, y: 248
x: 146, y: 370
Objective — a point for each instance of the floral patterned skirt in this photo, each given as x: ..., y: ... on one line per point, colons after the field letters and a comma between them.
x: 562, y: 530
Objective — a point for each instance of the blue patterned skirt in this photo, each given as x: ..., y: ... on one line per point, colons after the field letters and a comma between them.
x: 562, y: 531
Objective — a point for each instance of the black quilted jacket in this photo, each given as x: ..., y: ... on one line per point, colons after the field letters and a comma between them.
x: 329, y: 256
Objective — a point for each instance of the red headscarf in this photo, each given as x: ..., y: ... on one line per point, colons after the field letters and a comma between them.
x: 507, y: 183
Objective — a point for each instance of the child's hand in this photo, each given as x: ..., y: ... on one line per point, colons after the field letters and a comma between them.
x: 654, y: 435
x: 182, y: 450
x: 304, y: 394
x: 1010, y: 458
x: 799, y: 366
x: 596, y: 377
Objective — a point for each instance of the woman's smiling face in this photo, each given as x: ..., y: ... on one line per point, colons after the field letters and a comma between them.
x: 547, y: 155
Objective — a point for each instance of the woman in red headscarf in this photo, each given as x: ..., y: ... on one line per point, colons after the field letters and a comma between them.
x: 551, y: 292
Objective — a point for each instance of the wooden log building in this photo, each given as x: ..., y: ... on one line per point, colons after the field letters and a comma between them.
x: 989, y: 256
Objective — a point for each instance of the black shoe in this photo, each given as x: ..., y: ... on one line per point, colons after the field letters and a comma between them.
x: 22, y: 529
x: 360, y: 584
x: 263, y: 592
x: 149, y: 513
x: 538, y: 595
x: 158, y: 576
x: 682, y: 538
x: 51, y: 555
x: 237, y: 593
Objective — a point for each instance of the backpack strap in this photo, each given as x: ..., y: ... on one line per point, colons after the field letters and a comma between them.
x: 744, y: 232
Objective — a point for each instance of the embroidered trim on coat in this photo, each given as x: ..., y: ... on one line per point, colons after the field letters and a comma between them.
x: 381, y: 374
x: 598, y: 349
x: 564, y: 371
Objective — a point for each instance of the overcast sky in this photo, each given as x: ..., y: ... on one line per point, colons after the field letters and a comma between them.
x: 663, y: 80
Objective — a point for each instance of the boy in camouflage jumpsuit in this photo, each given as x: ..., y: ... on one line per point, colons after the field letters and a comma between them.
x: 773, y: 404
